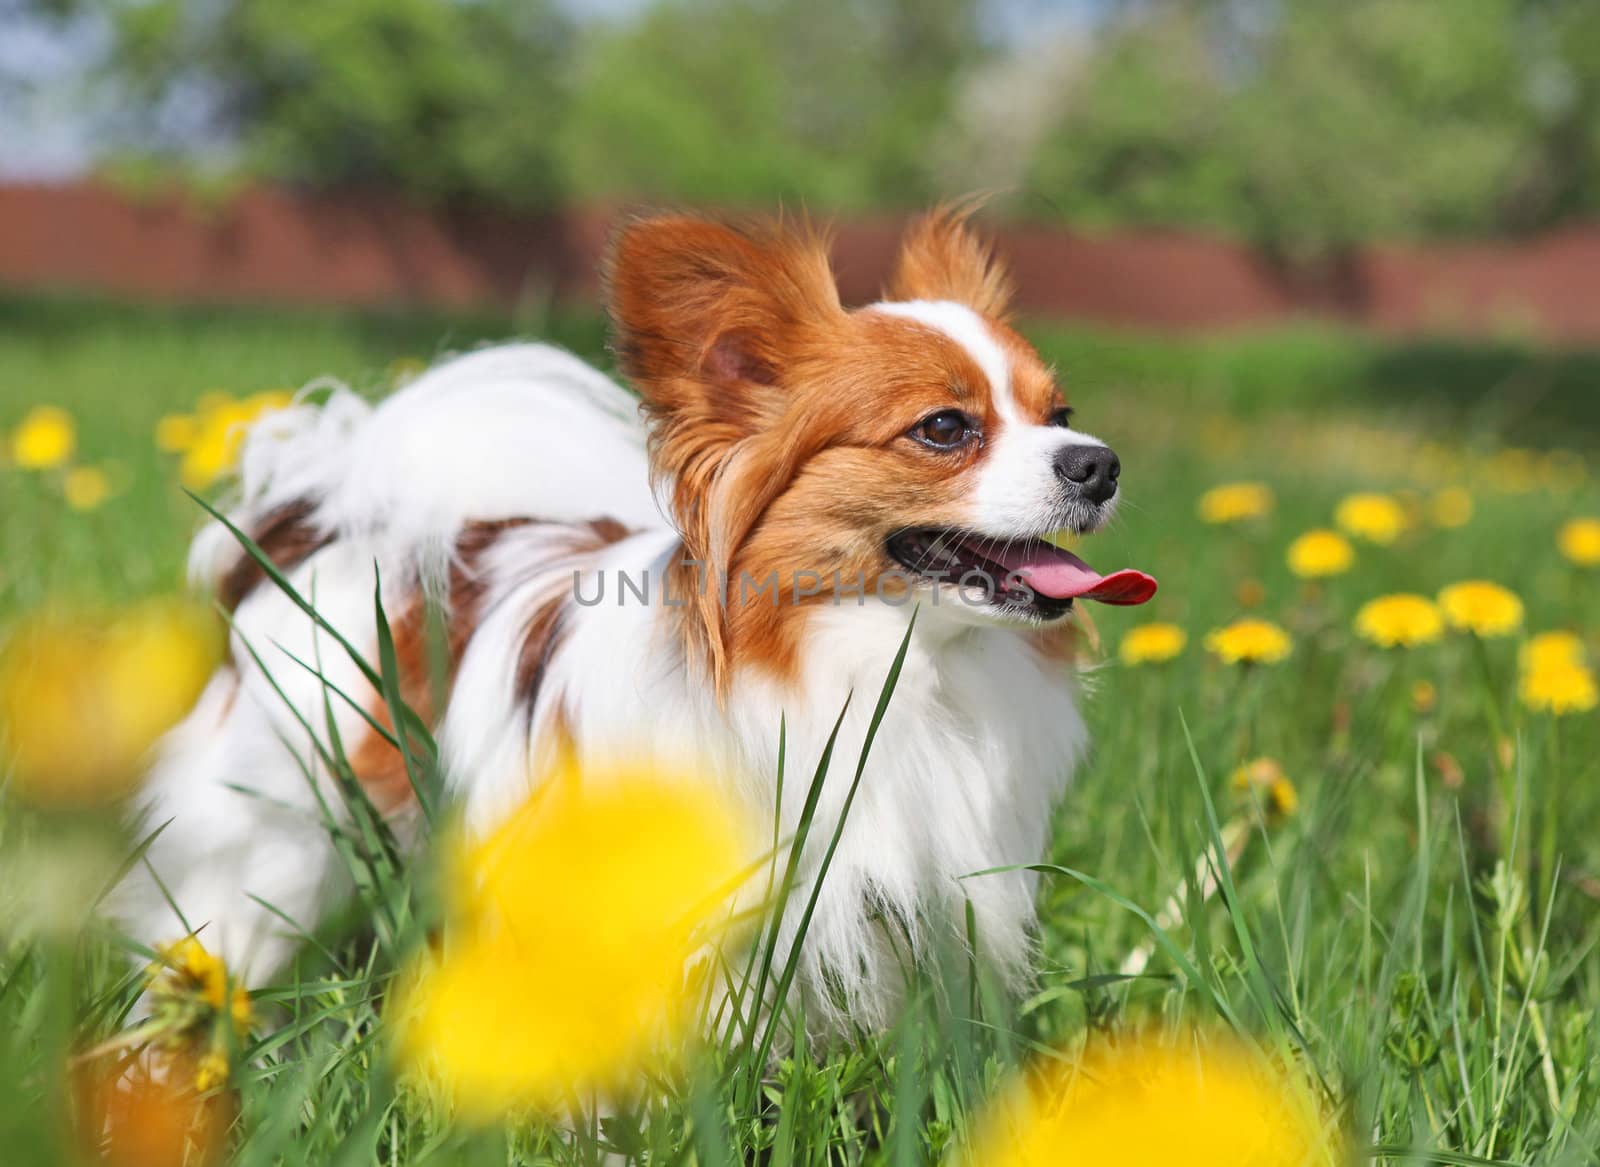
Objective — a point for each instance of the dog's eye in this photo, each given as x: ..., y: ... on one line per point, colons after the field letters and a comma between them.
x: 1062, y: 417
x: 945, y: 430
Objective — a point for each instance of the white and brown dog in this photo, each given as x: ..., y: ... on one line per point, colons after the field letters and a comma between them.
x: 805, y: 477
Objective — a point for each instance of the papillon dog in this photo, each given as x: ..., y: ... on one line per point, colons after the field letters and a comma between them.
x: 676, y: 577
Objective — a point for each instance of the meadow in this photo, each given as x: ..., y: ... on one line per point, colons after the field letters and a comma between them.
x: 1380, y: 862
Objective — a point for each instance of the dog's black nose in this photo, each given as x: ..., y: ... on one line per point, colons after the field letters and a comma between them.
x: 1093, y: 470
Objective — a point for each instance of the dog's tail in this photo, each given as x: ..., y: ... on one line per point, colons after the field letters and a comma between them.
x: 515, y: 431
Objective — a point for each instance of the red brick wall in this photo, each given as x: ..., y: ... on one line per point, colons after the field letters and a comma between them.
x: 275, y: 246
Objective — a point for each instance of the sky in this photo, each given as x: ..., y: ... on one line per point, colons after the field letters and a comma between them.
x: 46, y: 133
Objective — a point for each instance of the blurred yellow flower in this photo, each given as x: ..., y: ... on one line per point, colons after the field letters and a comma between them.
x: 1377, y: 518
x: 46, y: 438
x: 1451, y: 507
x: 1424, y: 697
x: 1481, y: 607
x: 1152, y: 643
x: 1207, y: 1102
x: 1579, y: 540
x: 1266, y: 776
x: 1320, y: 553
x: 1563, y: 471
x: 1558, y: 687
x: 82, y: 701
x: 1553, y: 648
x: 1235, y: 502
x: 1402, y: 620
x: 176, y: 432
x: 197, y: 1015
x: 86, y: 487
x: 1250, y: 641
x: 1514, y: 470
x: 220, y: 426
x: 211, y: 1070
x: 186, y: 974
x: 568, y: 964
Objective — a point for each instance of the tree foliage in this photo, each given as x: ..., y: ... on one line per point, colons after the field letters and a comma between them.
x: 441, y: 100
x: 1322, y: 124
x: 1303, y: 125
x: 834, y: 103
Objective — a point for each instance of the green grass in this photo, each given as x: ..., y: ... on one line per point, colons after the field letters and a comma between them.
x: 1381, y: 937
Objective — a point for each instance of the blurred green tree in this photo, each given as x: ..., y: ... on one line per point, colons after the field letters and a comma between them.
x: 441, y: 100
x: 1306, y: 125
x: 832, y: 103
x: 1302, y: 125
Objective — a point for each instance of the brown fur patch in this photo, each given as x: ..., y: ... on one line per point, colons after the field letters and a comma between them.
x: 941, y: 258
x: 377, y: 764
x: 286, y: 536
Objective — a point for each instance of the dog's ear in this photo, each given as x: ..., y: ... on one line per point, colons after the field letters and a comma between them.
x: 942, y: 258
x: 708, y: 322
x: 706, y: 316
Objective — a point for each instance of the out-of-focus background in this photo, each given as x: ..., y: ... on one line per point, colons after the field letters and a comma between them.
x: 1325, y: 267
x: 1376, y: 212
x: 1189, y: 164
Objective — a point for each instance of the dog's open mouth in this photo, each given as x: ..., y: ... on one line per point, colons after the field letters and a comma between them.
x: 1026, y: 574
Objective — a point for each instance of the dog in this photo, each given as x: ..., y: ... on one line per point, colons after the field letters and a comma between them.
x: 674, y: 577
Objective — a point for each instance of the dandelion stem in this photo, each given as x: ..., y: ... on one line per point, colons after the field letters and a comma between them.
x: 1552, y: 809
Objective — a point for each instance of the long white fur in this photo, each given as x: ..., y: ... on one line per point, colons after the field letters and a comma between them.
x: 976, y: 747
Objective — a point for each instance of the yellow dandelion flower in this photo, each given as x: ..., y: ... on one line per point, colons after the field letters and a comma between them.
x: 1236, y: 502
x: 1152, y: 643
x: 1203, y: 1102
x: 82, y: 700
x: 1266, y: 777
x: 1377, y: 518
x: 211, y: 1071
x: 196, y: 1013
x: 1320, y: 553
x: 214, y: 452
x: 46, y: 438
x: 1250, y: 641
x: 176, y: 432
x: 86, y: 487
x: 221, y: 426
x: 1481, y: 608
x: 1402, y: 620
x: 1579, y: 541
x: 199, y: 973
x: 1558, y: 687
x: 192, y: 996
x: 568, y: 965
x: 1451, y: 507
x: 1424, y: 697
x: 1553, y: 648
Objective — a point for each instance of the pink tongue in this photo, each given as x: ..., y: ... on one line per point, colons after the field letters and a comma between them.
x: 1061, y: 575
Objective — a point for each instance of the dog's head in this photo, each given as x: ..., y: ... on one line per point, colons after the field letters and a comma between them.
x: 914, y: 446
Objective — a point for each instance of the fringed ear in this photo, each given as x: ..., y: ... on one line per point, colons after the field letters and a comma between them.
x: 707, y: 320
x: 705, y: 315
x: 942, y: 258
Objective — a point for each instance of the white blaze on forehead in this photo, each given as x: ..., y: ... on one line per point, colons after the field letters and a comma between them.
x: 969, y: 330
x: 1018, y: 493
